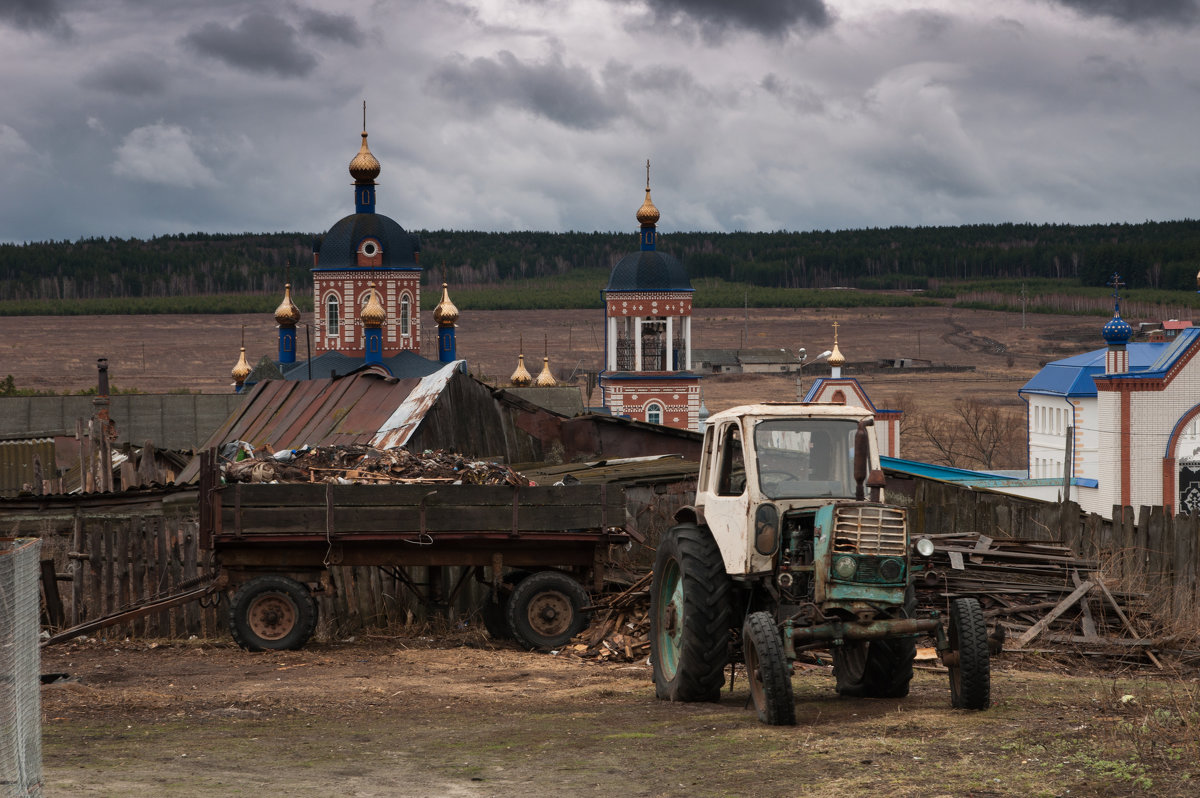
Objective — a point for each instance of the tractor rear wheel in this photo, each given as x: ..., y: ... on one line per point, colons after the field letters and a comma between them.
x: 689, y: 616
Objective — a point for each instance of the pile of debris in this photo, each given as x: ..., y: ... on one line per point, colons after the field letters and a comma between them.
x: 1039, y: 593
x: 358, y: 464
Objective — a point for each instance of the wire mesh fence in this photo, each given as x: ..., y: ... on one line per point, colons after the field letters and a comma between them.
x: 20, y: 697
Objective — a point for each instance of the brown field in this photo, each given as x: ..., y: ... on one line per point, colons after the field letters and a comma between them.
x: 159, y: 354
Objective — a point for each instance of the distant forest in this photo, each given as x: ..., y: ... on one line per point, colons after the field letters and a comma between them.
x: 1153, y: 255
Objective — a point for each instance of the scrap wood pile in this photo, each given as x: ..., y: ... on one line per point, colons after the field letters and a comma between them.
x: 362, y: 464
x: 620, y: 627
x: 1042, y: 597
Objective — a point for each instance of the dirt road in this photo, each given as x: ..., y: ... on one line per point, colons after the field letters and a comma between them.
x: 410, y: 716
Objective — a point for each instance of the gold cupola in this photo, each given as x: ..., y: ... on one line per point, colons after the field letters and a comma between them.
x: 373, y: 315
x: 647, y: 214
x: 836, y: 359
x: 545, y: 379
x: 241, y: 370
x: 445, y: 314
x: 521, y: 378
x: 287, y: 314
x: 364, y: 167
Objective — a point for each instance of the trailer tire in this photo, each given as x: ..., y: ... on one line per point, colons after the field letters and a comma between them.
x: 971, y: 677
x: 495, y: 613
x: 546, y: 610
x: 272, y: 613
x: 690, y: 610
x: 889, y: 670
x: 768, y: 671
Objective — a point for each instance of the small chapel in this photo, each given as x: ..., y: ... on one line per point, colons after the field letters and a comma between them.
x: 647, y: 372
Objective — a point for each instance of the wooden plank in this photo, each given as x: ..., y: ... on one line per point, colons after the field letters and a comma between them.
x: 191, y: 612
x: 122, y: 569
x: 1054, y: 613
x: 1089, y: 625
x: 162, y: 576
x: 79, y: 568
x: 1125, y: 620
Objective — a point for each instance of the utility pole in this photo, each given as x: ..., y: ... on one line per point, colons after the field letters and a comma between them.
x: 1068, y: 462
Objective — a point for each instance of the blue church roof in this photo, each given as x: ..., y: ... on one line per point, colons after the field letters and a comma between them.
x: 1073, y: 376
x: 403, y: 365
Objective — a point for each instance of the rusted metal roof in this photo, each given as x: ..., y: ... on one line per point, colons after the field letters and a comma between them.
x: 360, y: 408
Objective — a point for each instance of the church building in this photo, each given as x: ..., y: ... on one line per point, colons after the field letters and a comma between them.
x: 1120, y: 423
x: 648, y: 334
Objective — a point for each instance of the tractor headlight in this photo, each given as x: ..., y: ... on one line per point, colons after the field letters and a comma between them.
x: 766, y: 529
x: 890, y: 570
x: 844, y: 567
x: 925, y: 547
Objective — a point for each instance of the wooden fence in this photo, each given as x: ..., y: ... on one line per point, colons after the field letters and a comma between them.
x: 1148, y: 551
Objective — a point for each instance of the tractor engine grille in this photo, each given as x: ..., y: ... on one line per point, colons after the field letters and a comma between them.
x: 869, y: 529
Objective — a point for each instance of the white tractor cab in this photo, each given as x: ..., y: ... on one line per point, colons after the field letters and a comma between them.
x: 784, y: 550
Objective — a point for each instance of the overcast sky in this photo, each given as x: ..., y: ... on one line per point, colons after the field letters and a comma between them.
x: 143, y: 117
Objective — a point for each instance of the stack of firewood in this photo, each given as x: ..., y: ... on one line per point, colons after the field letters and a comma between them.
x: 620, y: 627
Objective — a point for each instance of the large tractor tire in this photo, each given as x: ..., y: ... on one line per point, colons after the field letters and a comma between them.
x: 547, y: 609
x: 272, y: 613
x: 689, y: 616
x: 971, y: 675
x: 768, y: 670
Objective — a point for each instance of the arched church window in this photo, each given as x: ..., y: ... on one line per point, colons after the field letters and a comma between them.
x: 332, y: 315
x: 405, y: 309
x: 839, y: 398
x: 654, y: 413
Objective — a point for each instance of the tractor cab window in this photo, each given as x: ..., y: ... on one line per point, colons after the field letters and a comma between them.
x: 805, y: 457
x: 732, y: 480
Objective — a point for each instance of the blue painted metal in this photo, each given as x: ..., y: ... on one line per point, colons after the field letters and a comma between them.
x: 649, y: 238
x: 364, y: 199
x: 446, y: 343
x: 373, y: 344
x: 287, y: 344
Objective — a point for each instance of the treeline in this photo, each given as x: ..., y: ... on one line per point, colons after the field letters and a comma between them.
x: 1152, y: 255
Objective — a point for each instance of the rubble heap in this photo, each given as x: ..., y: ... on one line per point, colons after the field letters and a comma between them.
x: 362, y: 464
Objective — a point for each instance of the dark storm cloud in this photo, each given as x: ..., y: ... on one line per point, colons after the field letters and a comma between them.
x: 44, y: 16
x: 338, y: 27
x: 768, y: 17
x: 564, y: 94
x: 130, y: 76
x: 1137, y: 11
x: 258, y: 42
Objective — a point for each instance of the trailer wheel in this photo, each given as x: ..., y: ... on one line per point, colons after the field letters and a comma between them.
x: 546, y: 610
x: 971, y: 674
x: 768, y: 670
x: 689, y: 616
x: 272, y: 613
x: 495, y: 613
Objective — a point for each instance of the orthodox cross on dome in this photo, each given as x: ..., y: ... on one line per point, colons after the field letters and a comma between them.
x: 1116, y: 284
x: 835, y: 326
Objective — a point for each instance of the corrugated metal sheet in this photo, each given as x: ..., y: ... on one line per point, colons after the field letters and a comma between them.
x: 404, y: 420
x: 16, y: 463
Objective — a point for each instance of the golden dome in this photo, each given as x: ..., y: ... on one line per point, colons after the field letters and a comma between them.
x: 242, y: 370
x: 521, y: 377
x: 373, y: 315
x: 836, y: 358
x: 647, y: 214
x: 545, y: 379
x: 364, y: 167
x: 287, y: 314
x: 445, y: 314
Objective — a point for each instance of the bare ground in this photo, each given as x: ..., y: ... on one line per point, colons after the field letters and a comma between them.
x: 413, y: 716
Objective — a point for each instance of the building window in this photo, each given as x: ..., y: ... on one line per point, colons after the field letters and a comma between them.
x: 404, y: 314
x: 332, y: 316
x: 654, y: 413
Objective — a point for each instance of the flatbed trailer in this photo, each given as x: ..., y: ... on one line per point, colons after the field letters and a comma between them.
x: 539, y: 548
